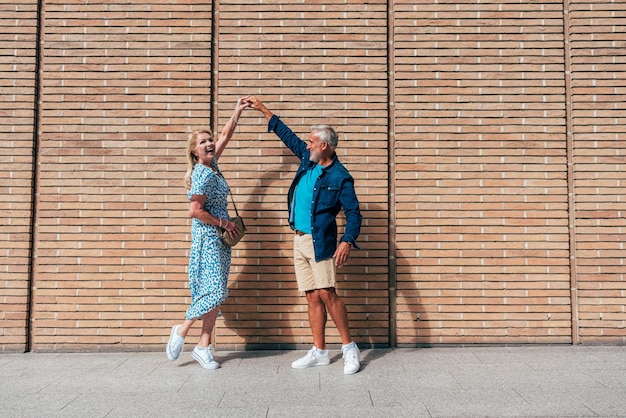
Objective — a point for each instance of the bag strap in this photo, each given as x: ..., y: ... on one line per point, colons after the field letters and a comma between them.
x: 233, y: 200
x: 231, y: 195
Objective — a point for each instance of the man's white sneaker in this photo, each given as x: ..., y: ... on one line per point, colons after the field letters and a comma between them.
x: 351, y: 363
x: 205, y: 358
x: 175, y: 345
x: 314, y: 357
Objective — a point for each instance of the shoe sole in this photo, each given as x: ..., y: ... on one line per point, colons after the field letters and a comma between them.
x: 170, y: 356
x: 324, y: 363
x: 350, y: 371
x: 210, y: 366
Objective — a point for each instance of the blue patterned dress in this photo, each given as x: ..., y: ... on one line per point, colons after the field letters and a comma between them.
x: 209, y: 258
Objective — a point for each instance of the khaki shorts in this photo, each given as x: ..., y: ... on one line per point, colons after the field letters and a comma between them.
x: 311, y: 274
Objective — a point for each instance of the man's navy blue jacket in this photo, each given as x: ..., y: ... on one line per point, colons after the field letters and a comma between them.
x: 334, y: 190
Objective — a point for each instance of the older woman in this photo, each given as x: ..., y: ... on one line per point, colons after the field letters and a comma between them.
x: 209, y: 259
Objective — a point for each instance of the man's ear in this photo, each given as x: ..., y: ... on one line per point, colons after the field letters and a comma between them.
x: 327, y: 149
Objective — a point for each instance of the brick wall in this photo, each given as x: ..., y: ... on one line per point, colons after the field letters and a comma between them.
x: 122, y: 84
x: 311, y: 63
x: 486, y: 140
x: 598, y: 83
x: 18, y: 33
x: 481, y: 184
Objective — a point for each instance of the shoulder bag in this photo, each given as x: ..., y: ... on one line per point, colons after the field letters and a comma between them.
x: 226, y: 238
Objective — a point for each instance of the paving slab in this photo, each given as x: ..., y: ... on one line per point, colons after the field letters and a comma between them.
x: 471, y: 381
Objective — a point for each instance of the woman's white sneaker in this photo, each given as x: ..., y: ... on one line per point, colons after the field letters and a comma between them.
x: 205, y: 358
x: 175, y: 345
x: 314, y: 357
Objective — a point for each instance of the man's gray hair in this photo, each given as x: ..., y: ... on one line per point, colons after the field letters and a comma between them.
x: 326, y: 134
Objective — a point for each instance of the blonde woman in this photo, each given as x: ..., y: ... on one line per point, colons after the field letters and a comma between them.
x: 209, y: 258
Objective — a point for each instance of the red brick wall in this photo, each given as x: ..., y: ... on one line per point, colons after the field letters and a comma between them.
x: 122, y: 84
x: 486, y: 140
x: 598, y: 67
x: 311, y: 63
x: 18, y: 33
x: 481, y: 184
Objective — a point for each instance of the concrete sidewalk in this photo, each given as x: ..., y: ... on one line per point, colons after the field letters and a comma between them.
x: 528, y: 381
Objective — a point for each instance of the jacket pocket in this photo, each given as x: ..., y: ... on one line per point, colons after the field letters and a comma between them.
x: 329, y: 195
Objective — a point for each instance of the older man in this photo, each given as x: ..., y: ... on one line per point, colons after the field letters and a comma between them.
x: 321, y: 188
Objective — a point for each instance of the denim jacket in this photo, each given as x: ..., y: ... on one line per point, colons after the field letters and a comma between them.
x: 333, y: 190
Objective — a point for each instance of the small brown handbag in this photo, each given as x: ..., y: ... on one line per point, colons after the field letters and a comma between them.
x: 226, y: 238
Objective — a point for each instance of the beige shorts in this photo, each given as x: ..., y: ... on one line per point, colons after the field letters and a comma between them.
x: 311, y: 274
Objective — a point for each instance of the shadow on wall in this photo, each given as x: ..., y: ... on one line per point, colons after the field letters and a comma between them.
x: 264, y: 306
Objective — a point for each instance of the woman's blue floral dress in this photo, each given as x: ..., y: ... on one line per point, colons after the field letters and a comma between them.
x: 209, y: 258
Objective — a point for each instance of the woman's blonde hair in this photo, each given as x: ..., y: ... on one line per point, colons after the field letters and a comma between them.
x: 192, y: 142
